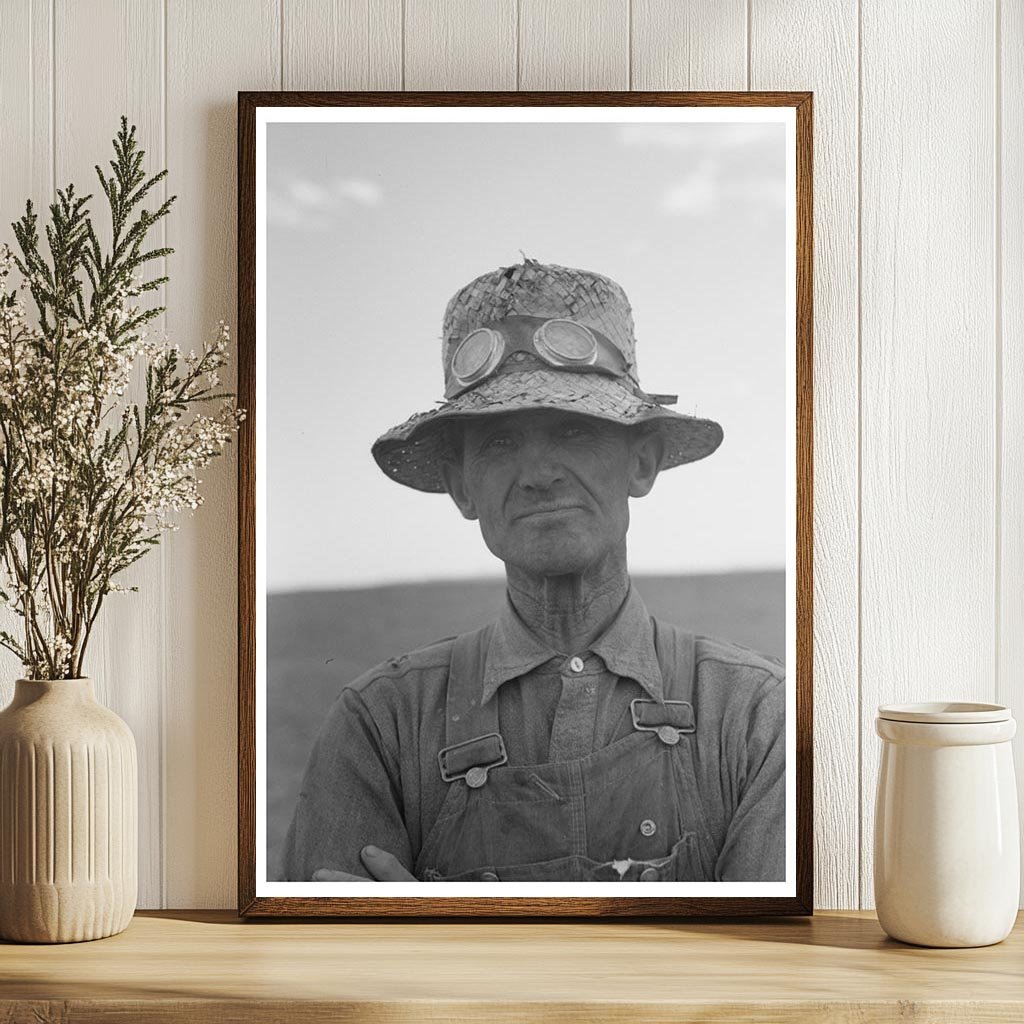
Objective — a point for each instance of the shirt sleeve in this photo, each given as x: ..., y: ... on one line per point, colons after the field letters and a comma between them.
x: 755, y: 843
x: 349, y: 798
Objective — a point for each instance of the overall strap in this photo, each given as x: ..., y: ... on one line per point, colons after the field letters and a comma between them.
x: 676, y: 650
x: 674, y: 716
x: 472, y: 743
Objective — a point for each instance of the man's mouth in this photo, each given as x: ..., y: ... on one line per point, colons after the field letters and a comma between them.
x: 546, y: 510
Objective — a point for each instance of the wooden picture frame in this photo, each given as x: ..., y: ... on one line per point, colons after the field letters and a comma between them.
x: 259, y: 896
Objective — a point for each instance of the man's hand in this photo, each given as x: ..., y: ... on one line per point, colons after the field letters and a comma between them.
x: 383, y: 867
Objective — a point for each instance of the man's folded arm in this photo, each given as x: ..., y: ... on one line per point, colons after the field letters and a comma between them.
x: 349, y: 799
x: 755, y: 844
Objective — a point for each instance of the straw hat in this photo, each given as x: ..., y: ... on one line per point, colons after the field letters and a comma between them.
x: 413, y: 452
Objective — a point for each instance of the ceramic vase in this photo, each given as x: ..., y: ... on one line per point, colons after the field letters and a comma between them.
x: 68, y: 815
x: 947, y: 846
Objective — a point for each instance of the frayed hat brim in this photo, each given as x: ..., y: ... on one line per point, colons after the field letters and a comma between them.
x: 413, y: 452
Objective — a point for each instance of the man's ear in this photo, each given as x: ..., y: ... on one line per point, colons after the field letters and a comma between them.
x: 455, y: 485
x: 648, y: 449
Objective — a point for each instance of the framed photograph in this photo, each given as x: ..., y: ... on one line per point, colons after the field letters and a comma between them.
x: 525, y: 488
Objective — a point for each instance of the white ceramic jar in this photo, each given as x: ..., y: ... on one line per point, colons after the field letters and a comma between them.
x: 947, y: 846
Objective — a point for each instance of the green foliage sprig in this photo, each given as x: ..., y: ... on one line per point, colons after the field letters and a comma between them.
x: 88, y: 478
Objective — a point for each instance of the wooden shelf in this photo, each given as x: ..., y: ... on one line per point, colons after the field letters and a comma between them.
x: 208, y: 966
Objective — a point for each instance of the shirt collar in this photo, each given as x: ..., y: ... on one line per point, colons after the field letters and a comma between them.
x: 626, y: 646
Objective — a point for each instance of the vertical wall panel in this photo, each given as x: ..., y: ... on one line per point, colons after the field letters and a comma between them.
x: 1010, y: 178
x: 689, y: 44
x: 26, y: 102
x: 26, y: 171
x: 213, y: 51
x: 574, y: 44
x: 342, y: 44
x: 468, y: 45
x: 814, y: 46
x: 121, y: 656
x: 928, y: 364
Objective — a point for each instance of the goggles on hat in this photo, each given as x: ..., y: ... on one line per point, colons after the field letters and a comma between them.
x: 558, y: 341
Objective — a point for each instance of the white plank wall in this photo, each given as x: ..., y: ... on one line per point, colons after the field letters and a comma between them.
x: 129, y: 79
x: 928, y: 513
x: 781, y: 58
x: 469, y: 45
x: 919, y: 315
x: 341, y: 44
x: 574, y: 44
x: 225, y: 46
x: 1009, y: 313
x: 26, y: 162
x: 699, y: 45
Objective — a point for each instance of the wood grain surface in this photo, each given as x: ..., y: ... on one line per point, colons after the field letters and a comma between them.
x: 208, y: 966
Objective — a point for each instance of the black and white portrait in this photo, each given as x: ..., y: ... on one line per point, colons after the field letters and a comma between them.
x: 525, y: 507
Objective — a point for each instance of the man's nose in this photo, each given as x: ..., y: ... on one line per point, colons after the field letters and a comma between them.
x: 540, y: 467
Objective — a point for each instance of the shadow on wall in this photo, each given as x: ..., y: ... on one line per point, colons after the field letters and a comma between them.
x: 318, y: 641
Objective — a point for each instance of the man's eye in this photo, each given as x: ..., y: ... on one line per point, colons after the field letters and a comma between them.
x: 499, y: 442
x: 575, y: 431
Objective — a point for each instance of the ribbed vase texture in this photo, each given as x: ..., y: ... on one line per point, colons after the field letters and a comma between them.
x: 68, y: 815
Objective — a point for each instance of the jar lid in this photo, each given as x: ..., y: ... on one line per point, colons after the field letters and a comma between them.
x: 945, y: 712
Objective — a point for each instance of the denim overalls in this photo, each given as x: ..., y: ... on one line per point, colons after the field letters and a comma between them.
x: 628, y: 812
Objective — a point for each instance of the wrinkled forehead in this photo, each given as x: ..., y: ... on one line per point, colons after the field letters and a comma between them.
x: 547, y: 424
x: 536, y: 420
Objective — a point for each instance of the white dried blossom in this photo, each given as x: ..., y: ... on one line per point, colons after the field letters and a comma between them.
x: 59, y: 410
x: 92, y: 462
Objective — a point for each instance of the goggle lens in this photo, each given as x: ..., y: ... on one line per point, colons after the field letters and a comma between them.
x: 567, y: 343
x: 559, y: 342
x: 476, y: 355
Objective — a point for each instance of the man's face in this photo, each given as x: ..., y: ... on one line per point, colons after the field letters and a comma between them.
x: 550, y: 489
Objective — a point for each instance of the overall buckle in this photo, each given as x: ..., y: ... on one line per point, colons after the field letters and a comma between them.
x: 472, y: 759
x: 670, y: 719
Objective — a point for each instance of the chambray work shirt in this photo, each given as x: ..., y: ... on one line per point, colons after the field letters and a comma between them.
x: 373, y: 776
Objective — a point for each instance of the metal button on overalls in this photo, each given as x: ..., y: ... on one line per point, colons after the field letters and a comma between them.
x: 569, y: 820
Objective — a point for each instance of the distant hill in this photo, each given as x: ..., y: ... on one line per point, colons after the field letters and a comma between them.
x: 319, y: 640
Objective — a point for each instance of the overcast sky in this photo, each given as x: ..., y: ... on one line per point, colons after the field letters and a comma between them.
x: 372, y: 227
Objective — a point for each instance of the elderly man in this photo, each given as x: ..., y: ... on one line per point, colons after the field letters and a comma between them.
x: 575, y: 738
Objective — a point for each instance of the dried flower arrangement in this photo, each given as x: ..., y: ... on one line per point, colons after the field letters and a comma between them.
x: 88, y: 478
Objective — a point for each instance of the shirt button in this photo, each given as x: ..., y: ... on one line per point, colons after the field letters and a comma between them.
x: 647, y: 827
x: 576, y: 663
x: 488, y: 876
x: 649, y: 875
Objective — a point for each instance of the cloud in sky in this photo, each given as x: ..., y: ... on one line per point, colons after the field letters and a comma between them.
x: 310, y: 204
x: 696, y: 194
x: 711, y: 167
x: 705, y: 189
